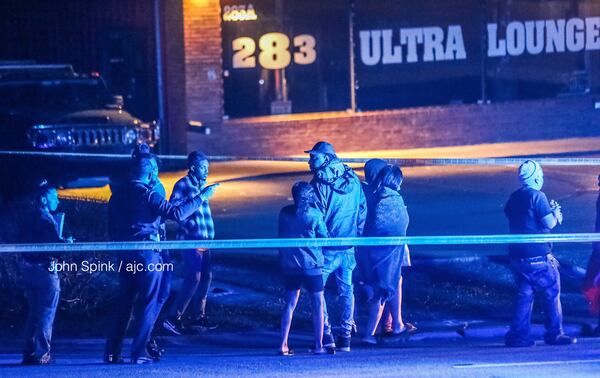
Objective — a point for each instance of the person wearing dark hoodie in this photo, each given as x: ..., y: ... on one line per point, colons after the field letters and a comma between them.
x: 302, y: 266
x: 342, y: 202
x: 386, y: 217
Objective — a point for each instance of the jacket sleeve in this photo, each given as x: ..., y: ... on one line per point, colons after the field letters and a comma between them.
x: 322, y: 193
x: 178, y: 194
x: 320, y: 227
x: 170, y: 211
x: 362, y: 213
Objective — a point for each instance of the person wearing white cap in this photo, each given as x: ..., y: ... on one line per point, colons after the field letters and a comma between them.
x: 534, y: 268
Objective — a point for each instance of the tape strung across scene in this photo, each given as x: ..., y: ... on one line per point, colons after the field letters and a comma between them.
x: 302, y: 242
x: 405, y: 162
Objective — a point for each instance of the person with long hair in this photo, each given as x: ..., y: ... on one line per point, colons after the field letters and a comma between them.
x: 389, y: 217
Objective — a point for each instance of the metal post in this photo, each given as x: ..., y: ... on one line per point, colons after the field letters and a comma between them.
x: 352, y: 68
x: 159, y: 78
x: 484, y: 45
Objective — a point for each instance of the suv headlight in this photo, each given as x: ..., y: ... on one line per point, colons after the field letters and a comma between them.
x: 130, y: 137
x: 45, y: 137
x: 149, y: 133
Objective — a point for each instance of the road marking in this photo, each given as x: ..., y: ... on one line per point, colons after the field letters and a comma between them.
x: 532, y: 363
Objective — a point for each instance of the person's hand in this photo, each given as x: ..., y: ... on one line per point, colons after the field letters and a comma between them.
x: 209, y: 191
x: 558, y: 214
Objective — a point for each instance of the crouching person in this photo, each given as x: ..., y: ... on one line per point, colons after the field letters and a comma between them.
x: 302, y: 266
x: 41, y: 281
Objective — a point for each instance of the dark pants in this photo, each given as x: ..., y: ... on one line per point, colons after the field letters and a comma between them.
x: 536, y: 276
x: 197, y: 279
x: 138, y: 292
x: 165, y: 284
x: 42, y: 290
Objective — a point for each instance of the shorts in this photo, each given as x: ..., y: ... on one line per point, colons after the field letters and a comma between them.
x: 313, y: 284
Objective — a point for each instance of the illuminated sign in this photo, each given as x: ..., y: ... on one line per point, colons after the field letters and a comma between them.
x: 430, y: 44
x: 239, y: 13
x: 275, y: 52
x: 376, y: 46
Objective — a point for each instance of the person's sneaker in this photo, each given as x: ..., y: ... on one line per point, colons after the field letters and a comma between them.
x: 154, y: 350
x: 142, y: 360
x: 113, y: 359
x: 174, y: 325
x: 560, y: 340
x: 203, y: 322
x: 519, y: 343
x: 328, y: 341
x: 343, y: 343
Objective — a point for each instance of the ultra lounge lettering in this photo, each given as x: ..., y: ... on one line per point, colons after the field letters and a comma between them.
x: 377, y: 46
x: 434, y: 43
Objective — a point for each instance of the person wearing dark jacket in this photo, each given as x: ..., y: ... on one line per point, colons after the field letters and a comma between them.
x: 142, y: 151
x: 591, y: 286
x: 135, y: 212
x: 302, y: 266
x: 387, y: 217
x: 371, y: 169
x: 534, y: 268
x: 342, y: 202
x: 41, y: 281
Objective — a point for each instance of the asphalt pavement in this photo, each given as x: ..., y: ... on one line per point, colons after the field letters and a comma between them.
x: 254, y: 354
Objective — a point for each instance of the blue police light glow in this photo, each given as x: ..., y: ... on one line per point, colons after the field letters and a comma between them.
x: 301, y: 242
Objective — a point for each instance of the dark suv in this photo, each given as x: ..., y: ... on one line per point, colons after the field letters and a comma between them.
x: 50, y: 108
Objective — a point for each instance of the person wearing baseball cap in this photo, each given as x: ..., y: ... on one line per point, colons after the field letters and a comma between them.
x: 533, y: 266
x: 342, y: 202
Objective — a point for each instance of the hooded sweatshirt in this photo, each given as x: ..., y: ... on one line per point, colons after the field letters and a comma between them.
x: 341, y: 199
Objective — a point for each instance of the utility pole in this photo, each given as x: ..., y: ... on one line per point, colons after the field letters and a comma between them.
x: 164, y: 133
x: 351, y: 4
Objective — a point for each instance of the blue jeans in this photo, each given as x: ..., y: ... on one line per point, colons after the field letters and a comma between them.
x: 341, y: 264
x: 42, y: 290
x: 536, y: 276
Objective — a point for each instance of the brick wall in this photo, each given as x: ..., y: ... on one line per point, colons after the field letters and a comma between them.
x: 203, y: 65
x: 407, y: 128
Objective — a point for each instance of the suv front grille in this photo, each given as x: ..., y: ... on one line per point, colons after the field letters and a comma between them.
x: 99, y: 136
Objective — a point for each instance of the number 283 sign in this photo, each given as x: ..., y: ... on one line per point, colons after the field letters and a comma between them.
x: 275, y: 51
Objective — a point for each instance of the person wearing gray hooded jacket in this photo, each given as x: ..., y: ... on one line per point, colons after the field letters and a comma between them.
x: 342, y: 202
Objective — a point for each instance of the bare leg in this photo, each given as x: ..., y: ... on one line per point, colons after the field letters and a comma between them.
x: 291, y: 300
x: 375, y: 311
x: 396, y: 309
x: 317, y: 300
